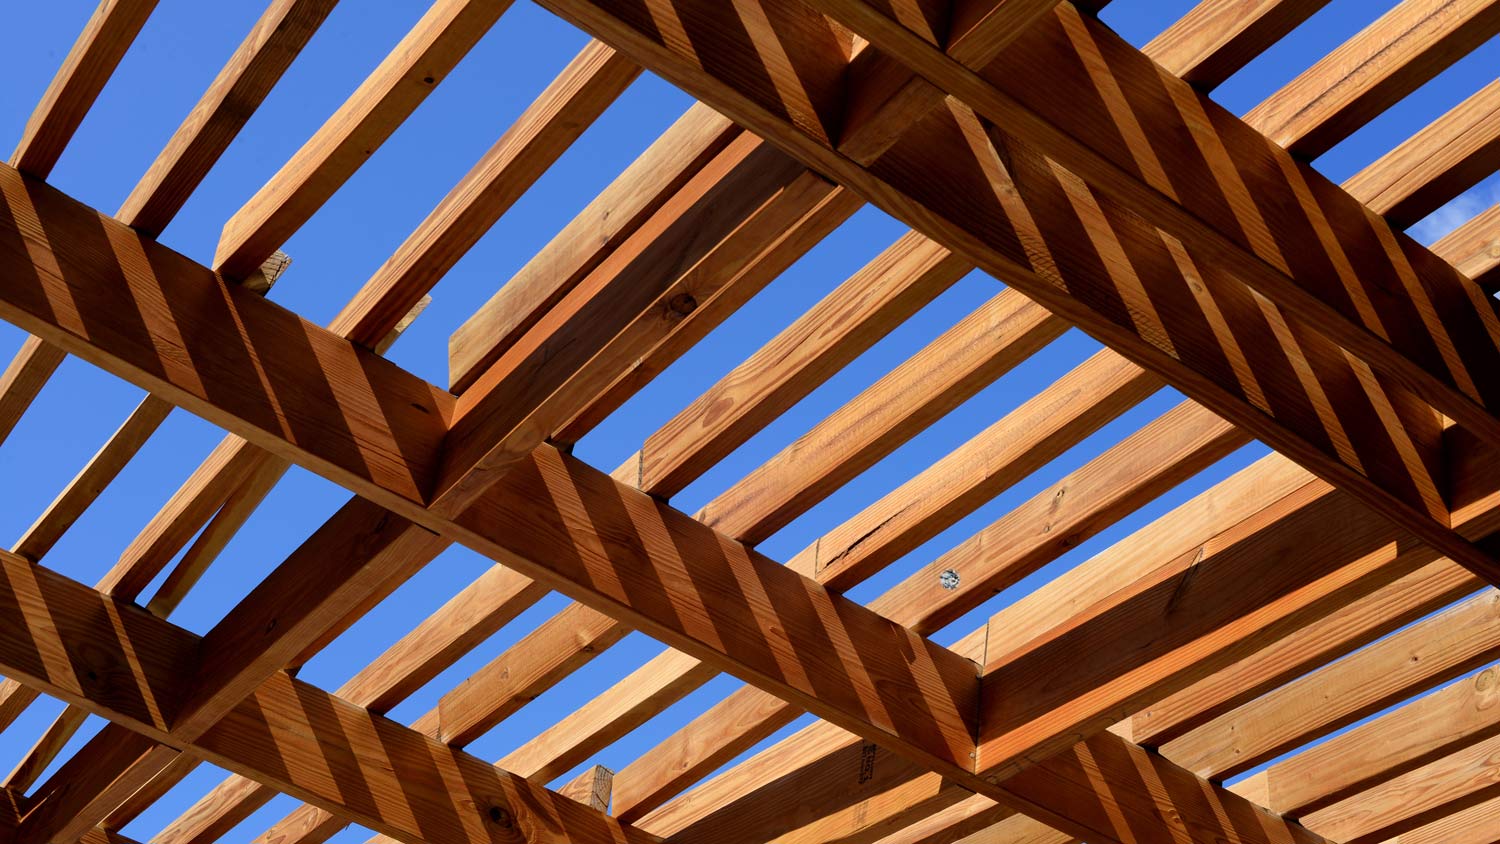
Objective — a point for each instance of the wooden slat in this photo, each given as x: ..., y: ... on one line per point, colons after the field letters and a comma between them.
x: 1474, y: 248
x: 1436, y: 164
x: 843, y: 324
x: 1218, y: 37
x: 1430, y: 652
x: 101, y: 774
x: 559, y: 115
x: 683, y: 255
x: 247, y: 78
x: 383, y: 101
x: 1089, y: 396
x: 41, y: 754
x: 984, y: 345
x: 1420, y: 593
x: 84, y: 72
x: 1420, y: 732
x: 1453, y: 783
x: 619, y: 210
x: 86, y: 486
x: 591, y: 788
x: 23, y: 379
x: 560, y: 646
x: 1475, y: 825
x: 1391, y: 57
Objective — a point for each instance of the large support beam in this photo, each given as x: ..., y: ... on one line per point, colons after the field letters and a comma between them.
x: 124, y: 664
x: 1180, y: 306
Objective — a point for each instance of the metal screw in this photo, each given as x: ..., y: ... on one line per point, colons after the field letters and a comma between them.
x: 948, y: 579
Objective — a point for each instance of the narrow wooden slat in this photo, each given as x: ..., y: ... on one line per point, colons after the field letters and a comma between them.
x: 560, y: 114
x: 247, y: 78
x: 100, y: 775
x: 554, y: 650
x: 1089, y: 396
x: 383, y: 101
x: 87, y: 485
x: 51, y: 743
x: 1430, y: 652
x: 1371, y: 71
x: 1474, y: 248
x: 23, y: 379
x: 1420, y: 593
x: 628, y: 704
x: 658, y: 174
x: 237, y: 508
x: 641, y: 292
x: 842, y: 325
x: 1218, y: 37
x: 1475, y: 825
x: 984, y: 345
x: 1436, y: 164
x: 87, y: 67
x: 823, y: 206
x: 1461, y: 780
x: 1420, y: 732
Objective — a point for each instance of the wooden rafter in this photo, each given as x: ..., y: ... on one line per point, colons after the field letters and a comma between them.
x: 1018, y: 137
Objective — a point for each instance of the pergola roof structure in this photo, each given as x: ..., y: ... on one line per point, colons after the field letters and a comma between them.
x: 1023, y: 138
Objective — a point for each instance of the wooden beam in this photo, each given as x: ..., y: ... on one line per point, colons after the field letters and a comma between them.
x: 1463, y: 779
x: 846, y: 322
x: 1475, y: 825
x: 1218, y: 37
x: 1420, y: 732
x: 749, y: 715
x: 87, y: 67
x: 1474, y: 248
x: 382, y: 102
x: 1420, y: 593
x: 719, y: 221
x: 1419, y: 657
x: 404, y: 781
x: 1388, y: 59
x: 247, y: 78
x: 619, y: 210
x: 895, y: 186
x: 1436, y: 164
x: 101, y: 774
x: 559, y: 115
x: 476, y: 612
x: 91, y: 286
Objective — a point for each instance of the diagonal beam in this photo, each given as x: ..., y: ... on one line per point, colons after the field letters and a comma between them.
x: 385, y: 775
x: 87, y: 67
x: 1020, y: 192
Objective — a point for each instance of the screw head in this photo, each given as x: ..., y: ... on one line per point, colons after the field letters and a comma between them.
x: 948, y: 579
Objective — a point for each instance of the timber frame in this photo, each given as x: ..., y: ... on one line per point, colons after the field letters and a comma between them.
x: 1021, y: 138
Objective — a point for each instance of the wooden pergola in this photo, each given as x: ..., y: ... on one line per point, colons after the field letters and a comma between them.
x: 1023, y: 138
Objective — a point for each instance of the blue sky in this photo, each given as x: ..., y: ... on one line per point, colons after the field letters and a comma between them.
x: 182, y: 48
